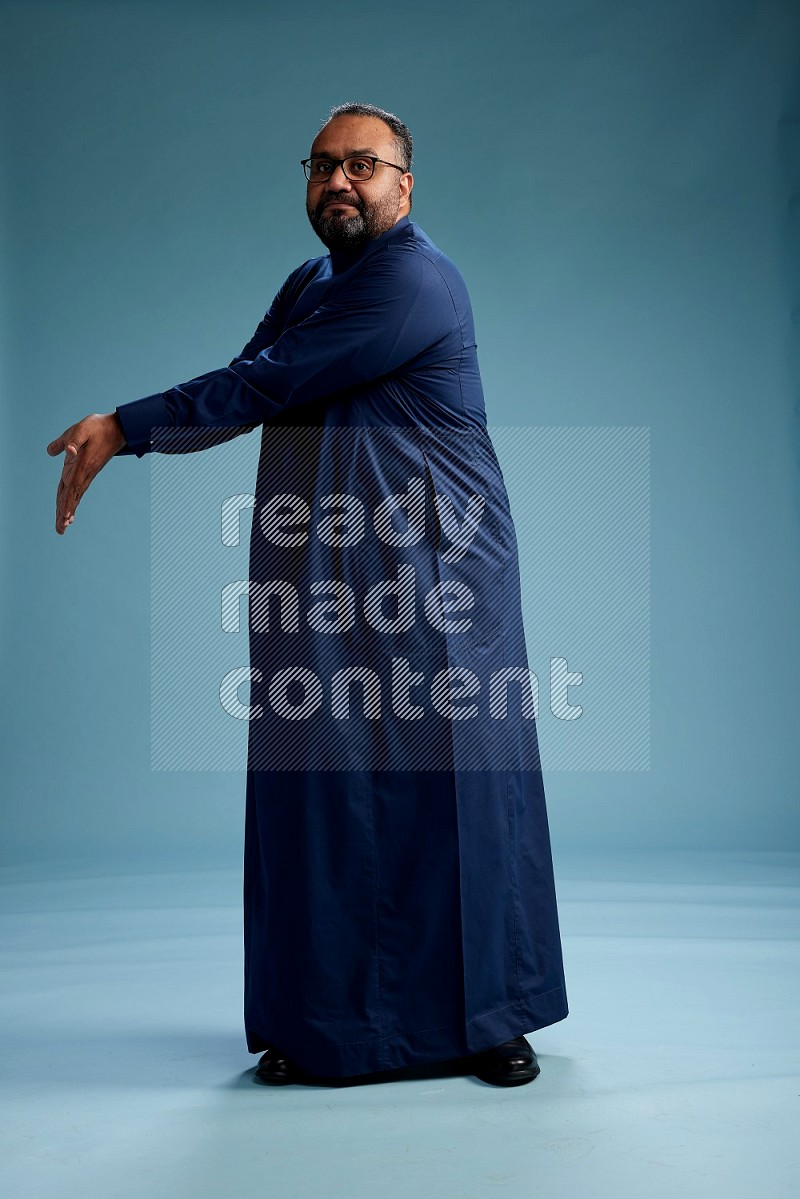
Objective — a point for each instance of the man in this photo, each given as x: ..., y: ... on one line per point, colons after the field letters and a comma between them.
x: 399, y: 902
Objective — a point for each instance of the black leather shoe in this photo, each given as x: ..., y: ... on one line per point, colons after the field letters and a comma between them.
x: 508, y: 1065
x: 276, y: 1069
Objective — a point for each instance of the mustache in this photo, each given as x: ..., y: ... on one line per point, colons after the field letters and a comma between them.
x: 338, y: 199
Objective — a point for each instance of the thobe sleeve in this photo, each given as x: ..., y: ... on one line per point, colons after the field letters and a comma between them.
x: 396, y: 308
x: 266, y: 332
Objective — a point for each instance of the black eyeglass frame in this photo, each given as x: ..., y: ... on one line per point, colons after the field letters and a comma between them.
x: 339, y: 162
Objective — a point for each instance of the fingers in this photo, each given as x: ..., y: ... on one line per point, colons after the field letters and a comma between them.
x: 75, y: 479
x: 67, y: 498
x: 64, y: 444
x: 62, y: 522
x: 60, y: 444
x: 79, y: 471
x: 73, y: 442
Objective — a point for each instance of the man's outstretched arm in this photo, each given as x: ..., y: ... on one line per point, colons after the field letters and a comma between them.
x: 187, y: 440
x: 91, y: 443
x: 396, y: 309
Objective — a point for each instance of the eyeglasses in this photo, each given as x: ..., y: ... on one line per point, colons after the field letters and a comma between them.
x: 357, y: 167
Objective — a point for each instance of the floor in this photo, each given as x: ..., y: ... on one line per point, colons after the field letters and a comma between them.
x: 125, y: 1071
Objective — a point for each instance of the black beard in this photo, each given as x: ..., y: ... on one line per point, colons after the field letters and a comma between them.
x: 350, y: 230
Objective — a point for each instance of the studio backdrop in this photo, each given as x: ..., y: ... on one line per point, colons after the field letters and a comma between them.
x: 617, y: 183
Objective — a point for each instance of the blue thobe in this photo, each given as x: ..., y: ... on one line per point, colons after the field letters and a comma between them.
x: 399, y: 898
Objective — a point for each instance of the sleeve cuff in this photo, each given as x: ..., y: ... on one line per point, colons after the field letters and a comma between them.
x: 138, y: 419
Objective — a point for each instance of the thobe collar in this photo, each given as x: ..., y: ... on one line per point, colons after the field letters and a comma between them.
x: 342, y: 260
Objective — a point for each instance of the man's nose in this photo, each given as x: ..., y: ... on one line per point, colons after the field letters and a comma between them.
x: 337, y: 180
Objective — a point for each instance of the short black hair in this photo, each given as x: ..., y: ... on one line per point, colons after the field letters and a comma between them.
x: 402, y: 134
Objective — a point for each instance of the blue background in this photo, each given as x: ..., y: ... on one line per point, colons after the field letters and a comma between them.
x: 617, y: 182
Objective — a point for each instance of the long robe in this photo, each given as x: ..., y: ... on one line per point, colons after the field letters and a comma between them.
x: 399, y: 899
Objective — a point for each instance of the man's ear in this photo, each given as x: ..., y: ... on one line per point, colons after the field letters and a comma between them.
x: 406, y: 184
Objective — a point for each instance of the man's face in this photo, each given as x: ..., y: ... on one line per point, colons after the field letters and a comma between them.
x: 346, y: 214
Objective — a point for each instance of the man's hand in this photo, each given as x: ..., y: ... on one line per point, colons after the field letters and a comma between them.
x: 88, y: 446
